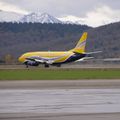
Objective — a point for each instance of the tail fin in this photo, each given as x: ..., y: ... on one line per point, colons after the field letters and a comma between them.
x: 80, y: 47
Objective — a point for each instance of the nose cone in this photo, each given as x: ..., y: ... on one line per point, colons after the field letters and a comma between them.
x: 21, y: 59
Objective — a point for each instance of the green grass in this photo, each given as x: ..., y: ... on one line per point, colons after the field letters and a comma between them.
x: 59, y: 74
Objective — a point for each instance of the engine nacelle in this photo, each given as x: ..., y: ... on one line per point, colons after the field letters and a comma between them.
x: 31, y: 63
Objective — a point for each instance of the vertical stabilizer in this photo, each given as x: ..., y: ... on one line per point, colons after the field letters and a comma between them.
x: 80, y: 47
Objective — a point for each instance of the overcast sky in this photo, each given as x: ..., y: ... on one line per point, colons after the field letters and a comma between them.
x: 89, y: 10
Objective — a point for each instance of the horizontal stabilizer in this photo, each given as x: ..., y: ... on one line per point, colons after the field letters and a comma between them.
x: 89, y: 53
x: 85, y: 58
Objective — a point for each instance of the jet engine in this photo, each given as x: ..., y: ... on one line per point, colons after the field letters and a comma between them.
x: 31, y: 63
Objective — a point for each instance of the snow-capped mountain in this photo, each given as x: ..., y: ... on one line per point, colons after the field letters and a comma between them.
x: 40, y: 18
x: 9, y: 16
x: 37, y: 17
x: 72, y: 20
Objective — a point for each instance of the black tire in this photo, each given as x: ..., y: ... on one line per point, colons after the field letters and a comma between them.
x: 59, y: 65
x: 46, y: 66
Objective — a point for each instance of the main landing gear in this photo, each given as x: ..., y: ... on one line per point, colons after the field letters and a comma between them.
x: 59, y: 65
x: 46, y: 66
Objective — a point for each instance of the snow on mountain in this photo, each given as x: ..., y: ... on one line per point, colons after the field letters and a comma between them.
x: 9, y: 16
x: 72, y: 20
x: 37, y: 17
x: 40, y: 18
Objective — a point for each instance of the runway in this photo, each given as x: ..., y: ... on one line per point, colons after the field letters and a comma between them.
x: 83, y: 100
x: 39, y: 116
x: 61, y: 84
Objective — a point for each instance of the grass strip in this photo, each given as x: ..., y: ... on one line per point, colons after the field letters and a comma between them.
x: 59, y: 74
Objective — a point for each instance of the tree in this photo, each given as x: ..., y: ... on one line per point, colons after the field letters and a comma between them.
x: 8, y: 59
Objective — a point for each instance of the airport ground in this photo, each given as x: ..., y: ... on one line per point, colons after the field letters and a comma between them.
x: 56, y: 100
x: 38, y: 116
x: 67, y: 72
x: 66, y: 99
x: 70, y: 65
x: 60, y: 84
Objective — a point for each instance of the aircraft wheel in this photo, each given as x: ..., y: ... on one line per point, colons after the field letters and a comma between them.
x: 46, y: 66
x: 59, y: 65
x: 27, y: 66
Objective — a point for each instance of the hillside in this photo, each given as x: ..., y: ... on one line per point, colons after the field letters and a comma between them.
x: 105, y: 38
x: 16, y: 39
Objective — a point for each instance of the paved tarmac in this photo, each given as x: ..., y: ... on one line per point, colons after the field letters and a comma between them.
x: 68, y: 66
x: 61, y: 84
x: 56, y: 100
x: 39, y: 116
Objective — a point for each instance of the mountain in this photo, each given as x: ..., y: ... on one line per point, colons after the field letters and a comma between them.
x: 105, y: 38
x: 39, y: 18
x: 9, y: 16
x: 35, y: 17
x: 72, y: 20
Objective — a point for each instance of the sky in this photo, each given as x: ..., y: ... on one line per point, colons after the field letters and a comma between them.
x: 92, y: 12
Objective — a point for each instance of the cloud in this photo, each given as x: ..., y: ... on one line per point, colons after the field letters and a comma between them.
x: 102, y: 15
x: 90, y: 12
x: 12, y: 8
x: 55, y: 7
x: 96, y: 17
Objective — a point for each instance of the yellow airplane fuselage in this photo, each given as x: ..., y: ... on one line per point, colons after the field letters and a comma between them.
x: 49, y: 54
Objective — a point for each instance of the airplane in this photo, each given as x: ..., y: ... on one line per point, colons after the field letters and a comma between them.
x: 57, y: 58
